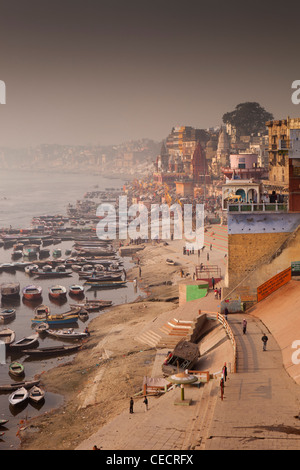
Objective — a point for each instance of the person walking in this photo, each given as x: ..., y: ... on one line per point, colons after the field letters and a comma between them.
x: 244, y: 326
x: 226, y: 313
x: 222, y: 388
x: 213, y: 282
x: 264, y: 340
x: 131, y: 405
x: 225, y: 372
x: 146, y: 402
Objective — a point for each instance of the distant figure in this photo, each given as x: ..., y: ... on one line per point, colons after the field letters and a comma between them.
x: 210, y: 247
x: 220, y: 293
x: 244, y: 326
x: 273, y: 197
x: 226, y: 313
x: 213, y: 282
x: 131, y: 405
x: 222, y: 388
x: 264, y: 340
x: 96, y: 448
x: 146, y: 402
x: 140, y: 271
x: 225, y: 372
x: 207, y: 256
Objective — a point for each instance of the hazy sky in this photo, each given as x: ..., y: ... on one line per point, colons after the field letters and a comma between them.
x: 102, y: 72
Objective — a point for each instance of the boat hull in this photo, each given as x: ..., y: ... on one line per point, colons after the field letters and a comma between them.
x: 51, y: 320
x: 8, y: 388
x: 18, y: 397
x: 52, y: 351
x: 16, y: 369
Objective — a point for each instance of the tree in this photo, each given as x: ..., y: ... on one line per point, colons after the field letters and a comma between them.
x: 248, y: 118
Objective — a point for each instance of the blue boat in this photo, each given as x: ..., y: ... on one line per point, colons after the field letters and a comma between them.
x: 58, y: 319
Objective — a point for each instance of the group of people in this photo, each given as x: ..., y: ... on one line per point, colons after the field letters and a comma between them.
x: 131, y: 403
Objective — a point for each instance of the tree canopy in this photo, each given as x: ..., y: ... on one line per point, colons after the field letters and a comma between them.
x: 248, y: 118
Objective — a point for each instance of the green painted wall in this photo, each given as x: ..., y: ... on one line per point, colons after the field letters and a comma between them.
x: 196, y: 292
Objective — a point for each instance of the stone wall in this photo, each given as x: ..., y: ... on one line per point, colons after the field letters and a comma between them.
x: 259, y: 246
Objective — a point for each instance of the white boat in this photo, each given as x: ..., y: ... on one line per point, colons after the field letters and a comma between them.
x: 18, y: 396
x: 42, y: 328
x: 31, y: 268
x: 68, y: 333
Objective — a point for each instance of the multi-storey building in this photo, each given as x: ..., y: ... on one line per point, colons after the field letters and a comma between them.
x: 284, y: 159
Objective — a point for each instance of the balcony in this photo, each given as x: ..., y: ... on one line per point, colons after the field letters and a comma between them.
x: 282, y: 145
x: 261, y: 207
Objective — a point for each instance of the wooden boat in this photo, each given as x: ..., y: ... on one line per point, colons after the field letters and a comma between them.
x: 44, y: 253
x: 10, y: 289
x: 36, y: 394
x: 57, y: 292
x: 76, y: 290
x: 17, y: 254
x: 105, y: 284
x: 75, y: 267
x: 59, y: 319
x: 68, y: 333
x: 8, y: 388
x: 31, y: 251
x: 102, y: 277
x: 7, y: 314
x: 16, y: 369
x: 52, y: 274
x: 18, y: 396
x: 57, y: 252
x: 7, y: 336
x: 83, y: 315
x: 29, y: 341
x: 91, y: 306
x: 3, y: 422
x: 42, y: 328
x: 31, y: 268
x: 32, y: 292
x: 7, y: 267
x: 52, y: 351
x: 42, y: 311
x: 170, y: 262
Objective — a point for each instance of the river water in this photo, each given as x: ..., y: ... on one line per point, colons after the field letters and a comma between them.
x: 22, y: 196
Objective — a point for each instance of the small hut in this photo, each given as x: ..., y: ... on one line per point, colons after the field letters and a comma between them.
x: 183, y: 357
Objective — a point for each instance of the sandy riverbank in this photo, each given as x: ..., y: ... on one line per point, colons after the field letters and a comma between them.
x: 110, y: 368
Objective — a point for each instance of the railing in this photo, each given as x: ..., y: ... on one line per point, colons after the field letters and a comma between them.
x: 220, y: 318
x: 257, y: 207
x: 208, y: 270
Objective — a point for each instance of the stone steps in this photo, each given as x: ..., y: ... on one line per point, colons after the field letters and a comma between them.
x: 167, y: 335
